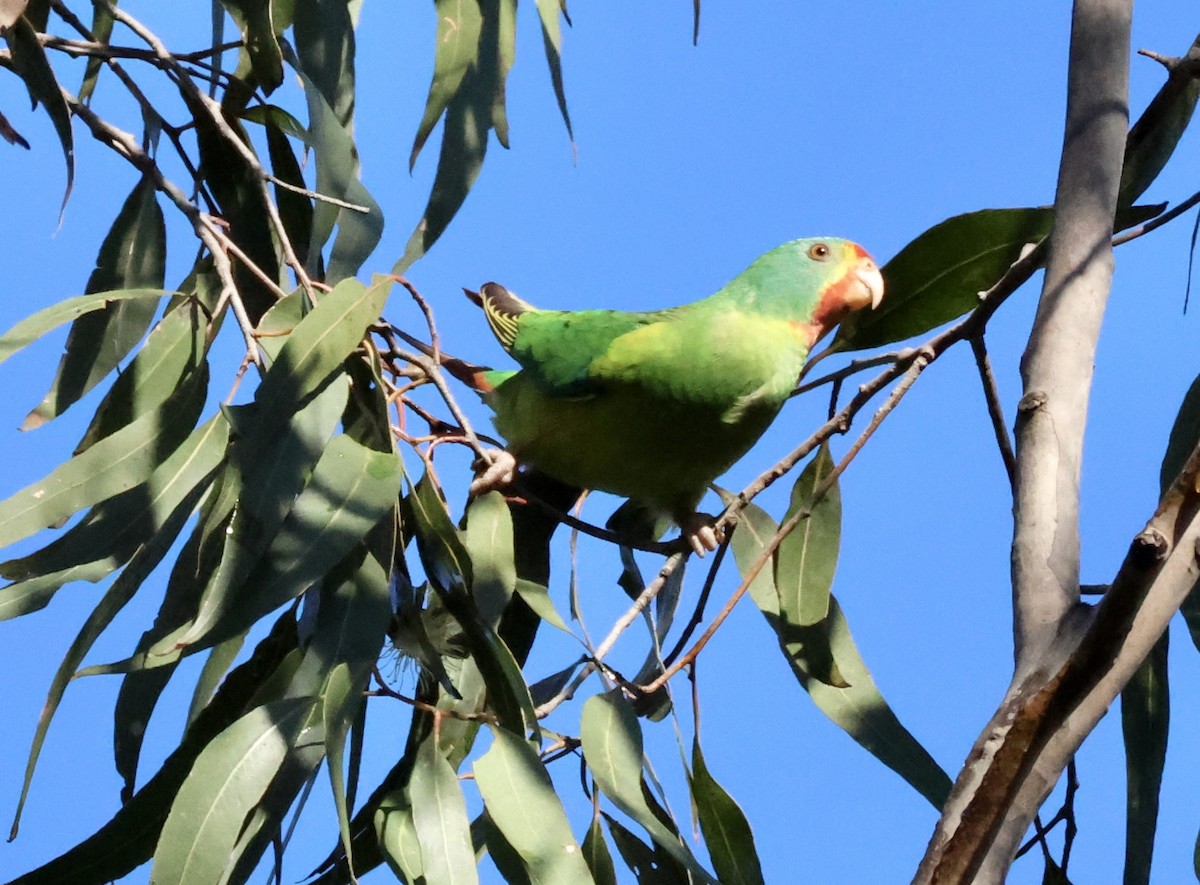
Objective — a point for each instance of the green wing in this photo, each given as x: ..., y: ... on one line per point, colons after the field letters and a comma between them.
x: 560, y: 349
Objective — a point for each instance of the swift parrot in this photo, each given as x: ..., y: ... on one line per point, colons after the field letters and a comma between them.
x: 655, y: 405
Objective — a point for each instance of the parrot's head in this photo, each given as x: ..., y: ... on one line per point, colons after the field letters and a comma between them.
x: 850, y: 281
x: 815, y: 282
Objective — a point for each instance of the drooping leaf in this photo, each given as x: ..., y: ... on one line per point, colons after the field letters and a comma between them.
x: 228, y: 779
x: 456, y: 46
x: 111, y: 533
x: 128, y: 839
x: 597, y: 856
x: 1145, y: 720
x: 643, y: 861
x: 144, y: 561
x: 806, y: 559
x: 351, y: 489
x: 132, y: 256
x: 545, y: 689
x: 295, y: 209
x: 325, y: 47
x: 522, y: 803
x: 31, y: 65
x: 549, y: 11
x: 102, y: 25
x: 439, y: 813
x: 122, y: 461
x: 1152, y: 139
x: 859, y: 708
x: 359, y: 229
x: 174, y: 349
x: 939, y: 275
x: 612, y: 746
x: 487, y: 838
x: 397, y: 837
x: 35, y: 326
x: 488, y: 540
x: 259, y: 40
x: 726, y: 830
x: 1184, y: 437
x: 537, y: 597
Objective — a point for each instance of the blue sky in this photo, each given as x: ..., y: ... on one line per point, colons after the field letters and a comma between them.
x: 871, y: 121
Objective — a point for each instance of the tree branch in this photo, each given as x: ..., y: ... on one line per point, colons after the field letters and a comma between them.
x: 1057, y: 374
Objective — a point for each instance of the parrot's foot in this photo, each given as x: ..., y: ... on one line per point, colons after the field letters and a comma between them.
x: 700, y: 533
x: 498, y: 474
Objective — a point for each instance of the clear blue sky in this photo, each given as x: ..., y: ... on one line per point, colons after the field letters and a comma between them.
x: 871, y: 121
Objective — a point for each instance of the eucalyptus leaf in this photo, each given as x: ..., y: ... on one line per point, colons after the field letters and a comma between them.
x: 858, y: 708
x: 806, y: 559
x: 521, y: 802
x: 29, y: 62
x: 227, y: 781
x: 612, y: 746
x: 726, y: 830
x: 132, y: 256
x: 1145, y: 722
x: 439, y: 813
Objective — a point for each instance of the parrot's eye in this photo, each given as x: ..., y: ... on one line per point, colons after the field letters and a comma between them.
x: 818, y: 251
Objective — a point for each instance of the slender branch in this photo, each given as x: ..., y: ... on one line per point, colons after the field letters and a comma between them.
x: 217, y: 118
x: 995, y: 410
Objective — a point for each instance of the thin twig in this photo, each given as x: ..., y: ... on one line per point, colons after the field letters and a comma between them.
x: 995, y: 410
x: 217, y: 118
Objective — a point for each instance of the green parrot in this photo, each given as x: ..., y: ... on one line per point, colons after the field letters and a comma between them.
x: 655, y: 406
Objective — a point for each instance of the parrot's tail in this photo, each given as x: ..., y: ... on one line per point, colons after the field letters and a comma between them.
x: 502, y: 308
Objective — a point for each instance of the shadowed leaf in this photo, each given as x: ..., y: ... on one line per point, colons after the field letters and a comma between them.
x: 1145, y: 720
x: 456, y: 46
x: 228, y: 779
x: 859, y: 708
x: 549, y: 11
x: 522, y: 804
x: 612, y: 746
x: 30, y: 64
x: 439, y: 814
x: 597, y: 855
x: 132, y: 256
x: 726, y: 830
x: 806, y: 559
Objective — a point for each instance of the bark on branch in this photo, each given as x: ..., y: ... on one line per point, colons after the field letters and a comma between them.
x: 985, y: 803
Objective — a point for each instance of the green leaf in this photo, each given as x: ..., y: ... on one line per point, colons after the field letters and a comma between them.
x: 549, y: 11
x: 522, y: 803
x: 439, y: 813
x: 120, y: 462
x: 227, y: 781
x: 642, y: 860
x: 443, y: 554
x: 295, y: 210
x: 144, y: 561
x: 351, y: 489
x: 806, y: 559
x: 612, y: 746
x: 397, y: 837
x: 489, y: 543
x: 34, y: 327
x: 175, y: 348
x: 29, y: 62
x: 455, y: 48
x: 939, y: 275
x: 726, y: 830
x: 1145, y: 720
x: 859, y: 708
x: 338, y: 176
x: 1153, y: 138
x: 132, y: 256
x: 537, y: 597
x: 128, y: 839
x: 597, y: 855
x: 259, y: 40
x: 102, y: 25
x: 111, y: 533
x: 1184, y: 437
